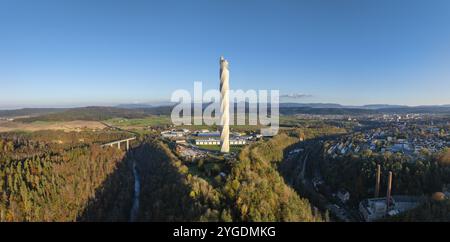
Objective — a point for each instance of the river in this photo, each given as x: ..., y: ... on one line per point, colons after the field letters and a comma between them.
x: 137, y: 189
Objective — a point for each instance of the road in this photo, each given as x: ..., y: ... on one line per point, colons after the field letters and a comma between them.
x: 302, y: 172
x: 120, y: 129
x: 311, y: 151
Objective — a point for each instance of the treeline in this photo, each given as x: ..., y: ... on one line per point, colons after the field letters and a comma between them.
x: 430, y: 211
x: 252, y: 191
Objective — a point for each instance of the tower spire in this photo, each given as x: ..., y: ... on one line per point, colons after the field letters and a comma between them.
x: 224, y: 106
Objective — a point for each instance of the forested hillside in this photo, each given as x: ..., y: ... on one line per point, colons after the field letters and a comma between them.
x: 252, y: 191
x: 60, y: 176
x: 42, y: 182
x: 258, y: 191
x: 169, y: 192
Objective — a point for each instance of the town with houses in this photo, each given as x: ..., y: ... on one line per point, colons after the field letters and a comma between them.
x: 409, y: 138
x: 413, y: 136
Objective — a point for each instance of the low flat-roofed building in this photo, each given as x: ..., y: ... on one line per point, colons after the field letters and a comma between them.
x: 375, y: 208
x: 207, y: 142
x: 172, y: 134
x: 209, y: 134
x: 238, y: 142
x: 189, y: 153
x: 217, y: 141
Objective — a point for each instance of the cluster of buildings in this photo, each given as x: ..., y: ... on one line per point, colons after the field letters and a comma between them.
x: 398, y: 117
x: 189, y: 152
x: 206, y: 137
x: 408, y: 139
x: 175, y: 134
x: 212, y: 141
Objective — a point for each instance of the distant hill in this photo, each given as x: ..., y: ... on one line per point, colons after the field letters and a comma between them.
x: 141, y: 111
x: 356, y: 110
x: 134, y: 106
x: 98, y: 114
x: 380, y: 106
x: 418, y: 109
x: 29, y: 112
x: 326, y: 111
x: 87, y: 113
x: 335, y: 105
x: 310, y: 105
x: 145, y: 105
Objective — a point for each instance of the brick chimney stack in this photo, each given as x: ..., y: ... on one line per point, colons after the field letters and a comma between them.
x: 388, y: 195
x: 377, y: 184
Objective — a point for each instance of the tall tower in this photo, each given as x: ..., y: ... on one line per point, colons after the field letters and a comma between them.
x: 224, y: 106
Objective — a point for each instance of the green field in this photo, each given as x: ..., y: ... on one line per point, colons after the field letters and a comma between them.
x: 163, y: 120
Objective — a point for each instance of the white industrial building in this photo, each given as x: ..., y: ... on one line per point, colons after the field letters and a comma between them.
x: 174, y: 133
x: 217, y: 142
x: 373, y: 209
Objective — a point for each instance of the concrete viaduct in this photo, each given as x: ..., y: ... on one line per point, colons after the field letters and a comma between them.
x: 117, y: 142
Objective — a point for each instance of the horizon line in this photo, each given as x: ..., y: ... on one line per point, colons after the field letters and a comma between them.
x: 168, y: 103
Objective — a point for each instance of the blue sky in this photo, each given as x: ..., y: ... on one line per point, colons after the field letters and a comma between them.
x: 84, y: 52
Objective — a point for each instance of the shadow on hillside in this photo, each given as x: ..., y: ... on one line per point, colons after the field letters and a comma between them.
x: 164, y: 192
x: 292, y: 168
x: 113, y: 199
